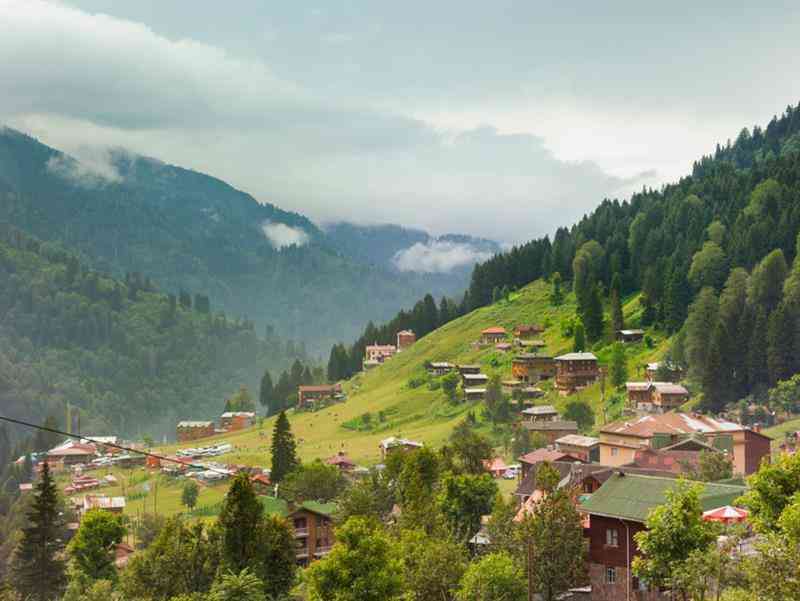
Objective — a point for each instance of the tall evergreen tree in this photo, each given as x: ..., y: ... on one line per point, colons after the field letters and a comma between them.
x: 266, y: 391
x: 619, y: 365
x: 758, y: 371
x: 676, y: 302
x: 37, y: 566
x: 593, y: 315
x: 579, y: 344
x: 617, y: 320
x: 240, y: 519
x: 780, y: 342
x: 556, y: 294
x: 284, y: 453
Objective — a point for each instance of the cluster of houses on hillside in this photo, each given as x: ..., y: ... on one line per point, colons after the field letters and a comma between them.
x: 377, y: 354
x: 623, y: 473
x: 230, y: 421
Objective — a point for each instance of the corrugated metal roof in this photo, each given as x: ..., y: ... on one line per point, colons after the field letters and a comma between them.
x: 632, y: 497
x: 577, y: 357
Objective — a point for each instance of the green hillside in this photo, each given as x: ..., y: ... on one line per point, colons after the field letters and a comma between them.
x: 423, y: 414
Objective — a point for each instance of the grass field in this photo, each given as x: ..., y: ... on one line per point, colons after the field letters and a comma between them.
x: 395, y: 407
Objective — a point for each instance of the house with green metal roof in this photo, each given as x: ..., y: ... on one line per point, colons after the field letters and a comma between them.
x: 617, y: 511
x: 312, y: 523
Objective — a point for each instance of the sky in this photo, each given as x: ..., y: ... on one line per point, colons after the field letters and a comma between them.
x: 498, y: 119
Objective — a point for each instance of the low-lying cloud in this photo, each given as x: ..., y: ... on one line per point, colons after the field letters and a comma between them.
x: 438, y: 257
x: 281, y: 235
x: 94, y: 169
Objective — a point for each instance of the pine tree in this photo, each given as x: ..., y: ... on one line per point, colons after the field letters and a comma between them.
x: 580, y: 338
x: 556, y: 295
x: 619, y: 365
x: 676, y: 301
x: 284, y: 455
x: 617, y: 320
x: 37, y: 567
x: 266, y: 390
x: 758, y: 371
x: 593, y: 314
x: 780, y: 329
x: 240, y: 518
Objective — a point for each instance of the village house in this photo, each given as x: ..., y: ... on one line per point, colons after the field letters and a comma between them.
x: 466, y: 370
x: 312, y: 524
x: 529, y: 367
x: 547, y: 454
x: 630, y: 335
x: 472, y: 380
x: 493, y: 335
x: 236, y: 420
x: 528, y: 393
x: 393, y: 444
x: 342, y: 461
x: 439, y: 368
x: 575, y: 371
x: 503, y: 347
x: 71, y: 453
x: 509, y: 386
x: 656, y: 397
x: 307, y: 395
x: 585, y: 447
x: 379, y: 352
x: 474, y: 393
x: 527, y: 331
x: 620, y: 440
x: 405, y: 338
x: 187, y: 431
x: 540, y: 413
x: 551, y: 430
x: 533, y: 346
x: 617, y: 511
x: 496, y: 467
x: 111, y: 504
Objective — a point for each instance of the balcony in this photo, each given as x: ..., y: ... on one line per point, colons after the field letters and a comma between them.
x: 323, y: 550
x: 301, y: 532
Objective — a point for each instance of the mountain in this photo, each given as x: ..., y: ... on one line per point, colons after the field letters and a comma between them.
x: 406, y: 249
x: 131, y: 359
x: 125, y: 213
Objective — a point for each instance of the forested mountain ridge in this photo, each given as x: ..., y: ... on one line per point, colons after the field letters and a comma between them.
x: 131, y: 359
x: 710, y: 254
x: 125, y: 213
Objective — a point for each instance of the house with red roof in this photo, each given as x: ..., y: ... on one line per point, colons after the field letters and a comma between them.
x: 493, y: 335
x: 342, y: 461
x: 621, y: 440
x: 496, y: 467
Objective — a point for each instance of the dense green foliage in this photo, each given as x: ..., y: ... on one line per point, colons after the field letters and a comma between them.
x: 284, y: 455
x: 192, y: 231
x: 126, y: 356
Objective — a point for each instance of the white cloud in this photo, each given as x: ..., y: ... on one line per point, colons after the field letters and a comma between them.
x: 282, y: 235
x: 94, y: 168
x: 81, y: 78
x: 438, y: 257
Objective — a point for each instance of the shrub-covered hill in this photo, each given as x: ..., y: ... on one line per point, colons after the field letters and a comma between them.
x: 396, y: 398
x: 131, y: 359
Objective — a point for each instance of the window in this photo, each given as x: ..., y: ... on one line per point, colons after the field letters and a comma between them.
x: 611, y: 575
x: 612, y: 537
x: 614, y: 451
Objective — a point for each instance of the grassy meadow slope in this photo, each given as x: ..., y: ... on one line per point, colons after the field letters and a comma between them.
x: 423, y: 414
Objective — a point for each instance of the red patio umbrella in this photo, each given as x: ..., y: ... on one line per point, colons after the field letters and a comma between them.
x: 726, y: 515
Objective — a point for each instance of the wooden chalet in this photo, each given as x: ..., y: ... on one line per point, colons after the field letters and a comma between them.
x: 393, y: 444
x: 439, y: 368
x: 527, y: 331
x: 237, y: 420
x: 656, y: 397
x: 342, y: 461
x: 405, y: 338
x: 465, y: 370
x: 312, y: 523
x: 187, y: 431
x: 493, y: 335
x: 575, y: 371
x: 474, y: 393
x: 627, y: 336
x: 616, y: 511
x: 472, y: 380
x: 540, y: 413
x: 307, y: 395
x: 530, y: 367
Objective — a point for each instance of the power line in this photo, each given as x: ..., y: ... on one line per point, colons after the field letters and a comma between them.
x: 20, y: 422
